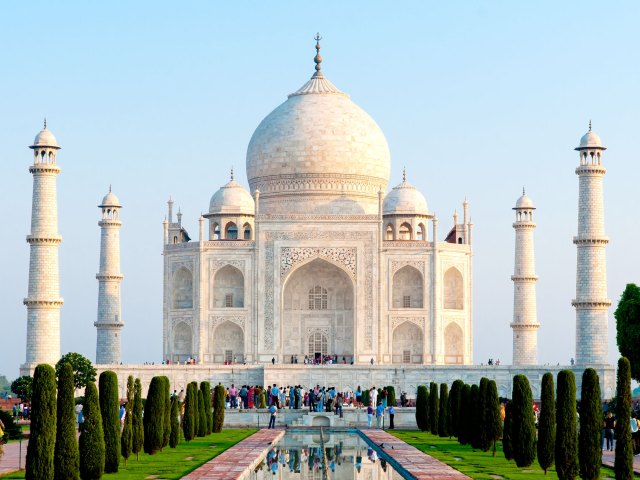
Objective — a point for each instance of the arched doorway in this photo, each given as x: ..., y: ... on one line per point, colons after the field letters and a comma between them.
x: 228, y: 288
x: 318, y: 298
x: 407, y: 344
x: 407, y: 288
x: 318, y: 344
x: 453, y: 344
x: 182, y: 342
x: 227, y: 343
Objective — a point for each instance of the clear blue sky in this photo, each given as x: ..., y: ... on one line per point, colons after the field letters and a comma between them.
x: 159, y: 98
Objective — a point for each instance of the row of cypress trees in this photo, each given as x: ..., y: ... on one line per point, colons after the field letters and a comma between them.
x: 198, y: 418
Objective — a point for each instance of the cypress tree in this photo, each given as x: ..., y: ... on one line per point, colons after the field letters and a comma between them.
x: 126, y: 440
x: 433, y: 407
x: 474, y: 416
x: 464, y: 415
x: 391, y: 395
x: 623, y: 464
x: 109, y: 409
x: 166, y: 429
x: 507, y: 444
x: 196, y: 409
x: 422, y: 408
x: 91, y: 436
x: 66, y: 459
x: 523, y: 429
x: 153, y: 419
x: 206, y: 396
x: 42, y: 441
x: 137, y: 441
x: 566, y: 451
x: 175, y: 422
x: 589, y: 444
x: 628, y: 327
x: 366, y: 397
x: 481, y: 424
x: 188, y: 425
x: 454, y: 408
x: 202, y: 416
x: 492, y: 416
x: 218, y: 409
x: 547, y: 423
x: 443, y: 419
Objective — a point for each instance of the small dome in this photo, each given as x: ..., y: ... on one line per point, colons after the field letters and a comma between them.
x: 405, y: 199
x: 525, y: 202
x: 110, y: 200
x: 232, y: 199
x: 590, y: 140
x: 45, y: 139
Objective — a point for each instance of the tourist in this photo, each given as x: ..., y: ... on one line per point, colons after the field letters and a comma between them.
x: 273, y: 360
x: 609, y: 426
x: 233, y: 396
x: 338, y: 408
x: 292, y: 397
x: 359, y: 397
x: 383, y: 397
x: 373, y: 396
x: 244, y: 393
x: 379, y: 414
x: 273, y: 410
x: 392, y: 412
x: 634, y: 433
x: 369, y: 415
x: 123, y: 413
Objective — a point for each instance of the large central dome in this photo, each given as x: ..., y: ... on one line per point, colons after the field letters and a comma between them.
x: 318, y: 152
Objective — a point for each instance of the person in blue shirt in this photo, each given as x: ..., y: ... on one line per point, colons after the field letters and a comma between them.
x: 379, y: 414
x: 392, y: 412
x: 273, y: 410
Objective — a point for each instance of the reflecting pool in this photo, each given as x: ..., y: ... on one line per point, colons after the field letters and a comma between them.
x: 313, y: 454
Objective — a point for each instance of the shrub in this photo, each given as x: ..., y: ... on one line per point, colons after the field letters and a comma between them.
x: 523, y: 429
x: 10, y: 427
x: 136, y: 422
x: 464, y: 425
x: 126, y: 440
x: 66, y: 459
x: 22, y: 387
x: 589, y: 443
x: 433, y: 407
x: 42, y: 440
x: 91, y: 436
x: 366, y: 394
x: 196, y: 409
x: 205, y: 387
x: 391, y: 395
x: 481, y: 424
x: 475, y: 416
x: 507, y: 444
x: 174, y: 438
x: 166, y: 429
x: 623, y: 464
x: 566, y: 451
x: 547, y: 423
x: 188, y: 420
x: 454, y: 407
x: 153, y: 419
x: 202, y: 416
x: 493, y: 421
x: 83, y: 370
x: 628, y: 327
x: 110, y: 411
x: 218, y: 409
x: 422, y: 408
x: 443, y: 419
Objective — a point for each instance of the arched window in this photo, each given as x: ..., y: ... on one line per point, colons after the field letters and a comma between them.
x: 228, y: 288
x: 231, y: 231
x: 215, y: 231
x: 407, y: 288
x: 421, y: 233
x: 453, y: 344
x: 246, y: 232
x: 318, y: 343
x: 453, y: 289
x: 175, y: 239
x: 183, y: 288
x: 405, y: 232
x: 318, y: 298
x: 389, y: 232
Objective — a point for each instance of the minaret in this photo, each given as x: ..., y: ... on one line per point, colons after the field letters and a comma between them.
x: 109, y: 322
x: 43, y: 299
x: 525, y: 317
x: 591, y: 302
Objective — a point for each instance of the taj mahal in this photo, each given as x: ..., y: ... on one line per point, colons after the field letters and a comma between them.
x: 320, y: 257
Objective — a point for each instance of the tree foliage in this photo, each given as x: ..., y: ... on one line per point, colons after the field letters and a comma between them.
x: 83, y: 370
x: 628, y: 327
x: 188, y: 420
x: 218, y: 409
x: 166, y: 431
x: 66, y: 458
x: 481, y: 424
x: 443, y: 418
x: 22, y: 387
x: 493, y: 421
x: 202, y: 416
x: 126, y: 440
x: 566, y: 451
x: 464, y: 423
x: 42, y: 439
x: 391, y: 395
x: 137, y: 438
x: 422, y: 408
x: 589, y: 443
x: 434, y: 405
x: 507, y: 443
x: 475, y: 417
x: 205, y: 387
x: 174, y: 438
x: 523, y: 429
x: 454, y: 407
x: 91, y: 436
x: 110, y: 411
x: 623, y: 464
x: 153, y: 419
x: 547, y: 423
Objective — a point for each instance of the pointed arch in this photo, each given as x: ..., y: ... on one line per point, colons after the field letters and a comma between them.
x: 404, y: 233
x: 227, y: 343
x: 408, y: 288
x: 228, y: 288
x: 182, y: 288
x: 453, y: 289
x: 389, y: 232
x: 247, y: 232
x: 421, y: 232
x: 407, y: 343
x: 182, y: 340
x: 453, y: 344
x: 231, y: 231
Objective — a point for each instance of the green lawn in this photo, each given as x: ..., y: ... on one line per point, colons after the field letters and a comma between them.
x: 476, y: 463
x: 174, y: 463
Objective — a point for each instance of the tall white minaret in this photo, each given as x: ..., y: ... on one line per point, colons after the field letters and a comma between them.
x: 43, y: 299
x: 109, y: 323
x: 525, y: 316
x: 591, y: 302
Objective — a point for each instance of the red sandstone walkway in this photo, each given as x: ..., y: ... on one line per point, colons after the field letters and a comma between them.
x: 417, y: 463
x: 608, y: 458
x: 243, y: 457
x: 9, y: 461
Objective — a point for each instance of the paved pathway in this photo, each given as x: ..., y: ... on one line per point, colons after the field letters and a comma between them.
x: 608, y: 458
x: 9, y: 461
x: 243, y: 457
x: 417, y: 463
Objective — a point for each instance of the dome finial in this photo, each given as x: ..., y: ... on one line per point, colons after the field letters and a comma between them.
x: 589, y: 125
x: 318, y: 58
x: 523, y: 191
x: 45, y: 123
x: 232, y: 174
x: 109, y: 188
x: 404, y: 174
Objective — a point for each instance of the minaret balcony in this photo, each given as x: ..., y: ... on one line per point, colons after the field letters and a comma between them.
x: 591, y: 240
x: 44, y: 239
x: 593, y: 303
